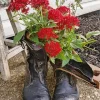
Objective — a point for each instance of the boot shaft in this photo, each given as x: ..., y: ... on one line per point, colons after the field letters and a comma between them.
x: 37, y: 62
x: 35, y: 87
x: 60, y: 75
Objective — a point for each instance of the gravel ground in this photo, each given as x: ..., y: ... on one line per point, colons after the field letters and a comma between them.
x: 12, y: 89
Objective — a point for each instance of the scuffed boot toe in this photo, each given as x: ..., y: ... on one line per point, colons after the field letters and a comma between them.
x: 65, y: 97
x: 36, y: 91
x: 66, y: 88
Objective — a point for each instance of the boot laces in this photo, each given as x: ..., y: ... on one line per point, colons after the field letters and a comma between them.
x: 24, y: 43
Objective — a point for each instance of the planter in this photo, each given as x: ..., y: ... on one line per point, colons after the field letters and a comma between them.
x: 83, y: 71
x: 80, y: 70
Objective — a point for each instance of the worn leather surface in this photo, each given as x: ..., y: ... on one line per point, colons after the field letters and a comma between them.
x: 84, y: 68
x: 80, y: 70
x: 66, y: 88
x: 35, y: 86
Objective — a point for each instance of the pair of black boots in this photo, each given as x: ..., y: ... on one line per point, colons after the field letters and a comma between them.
x: 36, y: 88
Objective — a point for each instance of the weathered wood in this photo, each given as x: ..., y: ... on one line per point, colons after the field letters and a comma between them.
x: 16, y: 26
x: 5, y: 53
x: 96, y: 77
x: 94, y: 67
x: 4, y: 68
x: 14, y: 51
x: 9, y: 42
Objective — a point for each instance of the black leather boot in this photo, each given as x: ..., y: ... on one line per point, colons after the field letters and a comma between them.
x: 65, y: 85
x: 35, y: 87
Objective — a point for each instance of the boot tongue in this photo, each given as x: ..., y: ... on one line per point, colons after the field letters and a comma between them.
x: 29, y: 43
x: 32, y: 45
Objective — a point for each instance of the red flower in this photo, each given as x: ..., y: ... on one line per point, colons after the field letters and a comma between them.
x: 68, y: 22
x: 46, y: 33
x: 24, y: 1
x: 38, y: 3
x: 64, y: 9
x: 25, y: 10
x: 16, y: 5
x: 53, y: 48
x: 55, y: 15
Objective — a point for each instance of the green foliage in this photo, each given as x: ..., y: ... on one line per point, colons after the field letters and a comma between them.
x: 60, y: 2
x: 76, y: 58
x: 19, y: 36
x: 78, y: 3
x: 52, y: 59
x: 93, y: 33
x: 64, y: 62
x: 35, y: 39
x: 72, y: 41
x: 68, y: 39
x: 61, y: 56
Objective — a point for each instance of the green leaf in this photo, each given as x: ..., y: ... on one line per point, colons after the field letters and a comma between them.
x: 64, y: 62
x: 93, y: 33
x: 76, y: 58
x: 34, y: 31
x: 78, y: 3
x: 57, y: 3
x: 18, y: 36
x: 68, y: 53
x: 52, y: 25
x: 62, y: 2
x: 34, y: 20
x: 35, y: 39
x: 76, y: 44
x: 52, y: 59
x: 61, y: 56
x: 88, y: 42
x: 82, y: 37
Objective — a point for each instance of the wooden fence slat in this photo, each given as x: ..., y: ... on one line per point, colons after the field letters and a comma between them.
x: 16, y: 26
x: 9, y: 42
x: 4, y: 68
x: 14, y: 51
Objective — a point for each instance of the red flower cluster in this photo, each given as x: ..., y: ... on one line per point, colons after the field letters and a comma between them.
x: 53, y: 48
x: 68, y: 22
x: 64, y: 9
x: 46, y: 33
x: 38, y: 3
x: 55, y: 15
x: 16, y: 5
